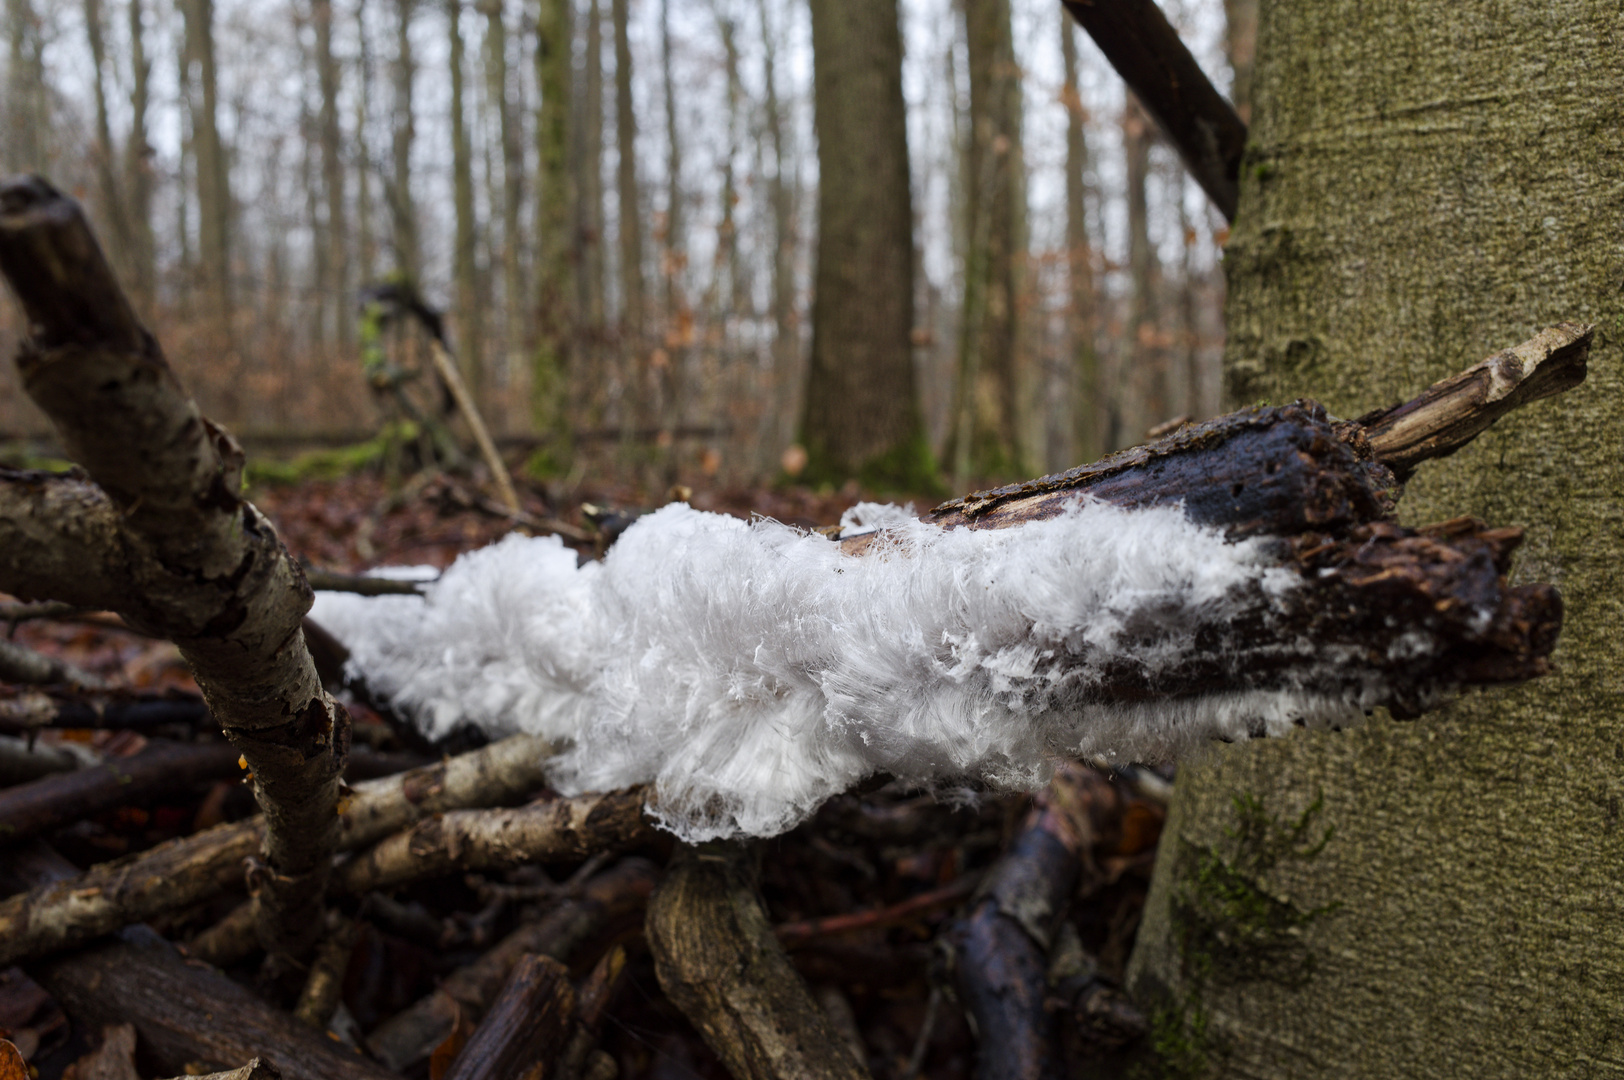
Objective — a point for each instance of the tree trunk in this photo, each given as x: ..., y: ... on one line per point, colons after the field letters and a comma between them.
x: 138, y: 172
x: 335, y: 234
x: 402, y: 210
x: 213, y: 186
x: 111, y: 200
x: 1240, y: 45
x: 1143, y: 376
x: 1085, y: 403
x: 1437, y: 898
x: 464, y: 269
x: 550, y: 364
x: 630, y: 224
x: 861, y: 416
x: 989, y: 420
x: 590, y: 384
x: 779, y: 413
x: 670, y: 384
x: 26, y: 118
x: 514, y: 297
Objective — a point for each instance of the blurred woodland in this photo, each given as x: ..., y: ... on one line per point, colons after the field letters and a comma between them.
x: 722, y: 242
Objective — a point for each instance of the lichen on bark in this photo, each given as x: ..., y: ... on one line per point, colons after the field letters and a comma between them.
x: 1427, y: 181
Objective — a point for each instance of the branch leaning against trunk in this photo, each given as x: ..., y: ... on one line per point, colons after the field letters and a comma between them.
x: 719, y: 961
x: 193, y: 868
x: 171, y: 543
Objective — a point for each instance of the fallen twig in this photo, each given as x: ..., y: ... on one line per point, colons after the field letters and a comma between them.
x: 181, y: 872
x: 20, y: 664
x: 527, y: 1029
x: 720, y: 963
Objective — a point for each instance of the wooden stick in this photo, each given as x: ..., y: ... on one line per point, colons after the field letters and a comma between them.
x: 410, y: 1035
x: 1146, y: 51
x: 720, y: 963
x: 472, y: 840
x: 164, y: 538
x: 185, y: 871
x: 49, y: 802
x: 20, y: 664
x: 325, y: 982
x: 1451, y: 413
x: 32, y: 709
x: 447, y: 367
x: 524, y: 1034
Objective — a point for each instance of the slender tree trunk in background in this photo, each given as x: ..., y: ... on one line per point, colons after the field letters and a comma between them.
x: 117, y: 232
x: 781, y: 195
x: 514, y: 297
x: 738, y: 292
x: 589, y: 220
x: 1081, y: 307
x: 1464, y: 916
x: 213, y: 185
x: 27, y: 120
x: 634, y: 354
x: 465, y: 269
x: 861, y: 413
x: 1144, y: 378
x: 402, y: 209
x: 671, y: 375
x: 1193, y: 377
x: 550, y: 395
x: 335, y: 236
x: 138, y: 172
x: 365, y: 228
x: 1240, y: 44
x: 185, y: 176
x: 987, y: 437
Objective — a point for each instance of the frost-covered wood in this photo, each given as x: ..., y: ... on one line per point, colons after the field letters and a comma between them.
x: 1233, y: 580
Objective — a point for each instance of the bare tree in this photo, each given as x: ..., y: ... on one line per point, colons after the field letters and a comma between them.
x: 550, y: 370
x: 402, y: 208
x: 512, y: 196
x: 138, y: 186
x: 988, y: 414
x: 589, y: 281
x: 630, y: 227
x: 213, y: 184
x: 781, y: 191
x: 26, y: 119
x: 335, y: 235
x: 1081, y: 308
x: 861, y: 413
x: 1144, y: 393
x: 465, y: 269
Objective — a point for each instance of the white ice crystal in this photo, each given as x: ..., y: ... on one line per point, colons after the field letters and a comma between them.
x: 750, y: 671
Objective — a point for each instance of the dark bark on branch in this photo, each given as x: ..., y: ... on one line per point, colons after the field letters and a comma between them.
x: 20, y: 664
x: 1146, y: 51
x: 177, y: 550
x: 1003, y: 945
x: 410, y: 1035
x: 525, y: 1032
x: 472, y: 840
x: 229, y: 940
x: 325, y: 982
x: 194, y: 868
x: 186, y: 1014
x: 21, y: 763
x: 30, y: 809
x: 720, y: 963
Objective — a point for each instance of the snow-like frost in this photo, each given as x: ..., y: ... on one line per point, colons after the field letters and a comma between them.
x: 750, y: 670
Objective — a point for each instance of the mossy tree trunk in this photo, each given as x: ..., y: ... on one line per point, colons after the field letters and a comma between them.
x: 861, y: 412
x: 1427, y: 183
x: 549, y: 390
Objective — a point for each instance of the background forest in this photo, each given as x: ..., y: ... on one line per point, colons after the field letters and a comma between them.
x: 617, y: 203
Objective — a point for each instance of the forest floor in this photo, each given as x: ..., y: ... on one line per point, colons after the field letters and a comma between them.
x: 864, y: 895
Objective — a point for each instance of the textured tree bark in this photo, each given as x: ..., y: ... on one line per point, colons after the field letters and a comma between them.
x: 213, y: 177
x: 1436, y: 898
x: 465, y: 247
x: 1085, y: 397
x: 475, y: 839
x: 185, y: 557
x: 719, y: 961
x: 193, y: 868
x: 861, y: 415
x: 989, y: 414
x: 402, y: 206
x: 549, y: 387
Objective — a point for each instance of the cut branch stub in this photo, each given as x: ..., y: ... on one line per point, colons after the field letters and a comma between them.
x: 170, y: 544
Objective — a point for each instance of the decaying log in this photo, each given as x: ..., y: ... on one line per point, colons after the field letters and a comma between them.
x: 254, y: 1070
x: 720, y: 963
x: 30, y: 809
x: 1003, y: 944
x: 1146, y: 51
x: 164, y: 538
x: 114, y: 1059
x: 525, y: 1033
x: 408, y: 1037
x: 590, y: 1005
x: 194, y: 868
x: 476, y: 839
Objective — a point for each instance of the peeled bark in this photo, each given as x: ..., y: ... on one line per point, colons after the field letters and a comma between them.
x: 1437, y: 898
